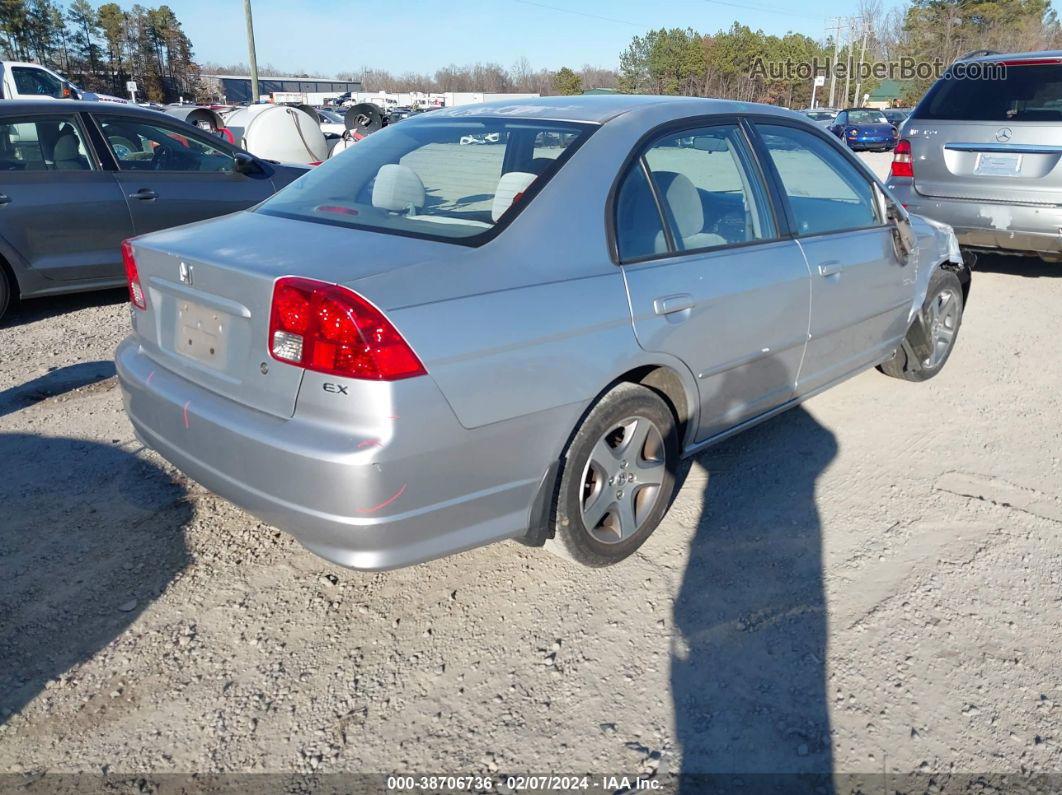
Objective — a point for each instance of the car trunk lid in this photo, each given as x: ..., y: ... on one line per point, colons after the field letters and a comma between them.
x: 209, y: 291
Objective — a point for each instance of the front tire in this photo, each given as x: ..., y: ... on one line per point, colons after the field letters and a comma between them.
x: 942, y: 316
x: 617, y: 477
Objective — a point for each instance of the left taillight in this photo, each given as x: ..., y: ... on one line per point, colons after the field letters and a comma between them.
x: 136, y: 290
x: 331, y: 329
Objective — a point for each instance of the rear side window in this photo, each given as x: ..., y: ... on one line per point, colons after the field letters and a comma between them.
x: 441, y: 178
x: 639, y: 231
x: 1007, y: 93
x: 54, y: 143
x: 825, y: 192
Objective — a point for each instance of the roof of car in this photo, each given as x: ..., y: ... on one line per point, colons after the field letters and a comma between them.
x: 1046, y: 55
x: 9, y: 106
x: 599, y: 108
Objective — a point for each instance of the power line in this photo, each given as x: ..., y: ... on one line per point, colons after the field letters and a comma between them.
x: 761, y: 9
x: 583, y: 14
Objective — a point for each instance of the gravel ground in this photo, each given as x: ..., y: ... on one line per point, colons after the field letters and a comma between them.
x: 870, y: 582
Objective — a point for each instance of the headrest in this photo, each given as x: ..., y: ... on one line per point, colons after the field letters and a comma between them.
x: 510, y: 186
x: 684, y: 200
x: 397, y: 188
x: 68, y: 147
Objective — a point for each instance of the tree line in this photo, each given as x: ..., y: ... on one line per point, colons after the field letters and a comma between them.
x: 100, y: 48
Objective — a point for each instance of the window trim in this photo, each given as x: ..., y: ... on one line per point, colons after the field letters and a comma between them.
x: 637, y: 153
x: 71, y: 117
x: 193, y: 133
x: 779, y: 187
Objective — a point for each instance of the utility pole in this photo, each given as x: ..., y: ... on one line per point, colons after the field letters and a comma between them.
x: 848, y: 71
x: 857, y: 100
x: 250, y: 50
x: 836, y: 50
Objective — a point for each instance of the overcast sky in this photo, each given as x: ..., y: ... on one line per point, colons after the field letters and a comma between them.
x: 330, y: 36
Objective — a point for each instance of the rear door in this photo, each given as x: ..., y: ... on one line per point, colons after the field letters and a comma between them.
x: 861, y: 288
x: 709, y: 278
x: 59, y: 210
x: 172, y: 176
x: 996, y: 136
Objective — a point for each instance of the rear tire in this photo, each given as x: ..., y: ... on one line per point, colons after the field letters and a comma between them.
x: 617, y: 477
x: 942, y: 314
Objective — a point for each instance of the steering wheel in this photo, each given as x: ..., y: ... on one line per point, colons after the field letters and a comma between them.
x: 160, y: 158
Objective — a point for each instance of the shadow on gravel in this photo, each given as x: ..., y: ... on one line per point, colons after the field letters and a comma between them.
x: 33, y: 309
x: 748, y: 678
x: 55, y: 382
x: 89, y: 536
x: 1029, y: 267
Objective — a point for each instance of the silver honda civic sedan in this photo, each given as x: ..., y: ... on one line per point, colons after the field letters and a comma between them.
x: 422, y: 347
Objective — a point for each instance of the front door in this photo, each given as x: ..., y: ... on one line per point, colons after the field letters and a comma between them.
x: 171, y: 176
x: 861, y: 283
x: 708, y: 277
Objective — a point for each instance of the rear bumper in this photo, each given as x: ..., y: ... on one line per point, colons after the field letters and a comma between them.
x: 1007, y: 227
x: 405, y: 491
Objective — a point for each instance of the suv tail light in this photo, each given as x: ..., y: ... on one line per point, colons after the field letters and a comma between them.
x: 902, y: 165
x: 136, y: 291
x: 330, y: 329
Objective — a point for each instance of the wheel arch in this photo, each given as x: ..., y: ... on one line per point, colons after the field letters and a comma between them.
x: 663, y: 379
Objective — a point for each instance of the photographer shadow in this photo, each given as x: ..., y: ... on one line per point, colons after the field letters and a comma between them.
x: 748, y: 674
x: 89, y: 536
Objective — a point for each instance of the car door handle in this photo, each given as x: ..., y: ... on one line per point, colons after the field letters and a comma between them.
x: 4, y: 199
x: 144, y: 194
x: 830, y: 267
x: 669, y: 304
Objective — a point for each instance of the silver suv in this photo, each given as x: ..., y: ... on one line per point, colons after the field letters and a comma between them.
x: 981, y: 152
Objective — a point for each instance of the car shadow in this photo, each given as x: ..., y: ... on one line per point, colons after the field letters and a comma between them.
x: 55, y: 382
x: 1030, y: 267
x: 748, y: 672
x: 89, y: 536
x: 32, y: 310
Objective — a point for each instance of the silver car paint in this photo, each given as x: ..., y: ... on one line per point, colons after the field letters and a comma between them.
x: 519, y: 337
x: 1019, y: 214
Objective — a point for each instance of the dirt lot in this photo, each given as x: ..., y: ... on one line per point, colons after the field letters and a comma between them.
x: 871, y: 582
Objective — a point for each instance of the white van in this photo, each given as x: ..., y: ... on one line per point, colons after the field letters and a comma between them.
x: 20, y: 80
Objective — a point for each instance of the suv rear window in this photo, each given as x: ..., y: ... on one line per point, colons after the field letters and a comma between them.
x: 1020, y: 93
x: 458, y: 180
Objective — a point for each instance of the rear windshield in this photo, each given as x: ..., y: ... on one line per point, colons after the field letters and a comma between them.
x: 1014, y: 93
x: 866, y: 117
x: 459, y: 180
x: 820, y: 115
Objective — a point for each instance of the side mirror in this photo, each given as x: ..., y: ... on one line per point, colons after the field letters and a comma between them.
x: 247, y: 164
x: 902, y: 233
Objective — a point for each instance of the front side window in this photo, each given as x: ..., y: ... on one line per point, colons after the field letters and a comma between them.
x: 451, y: 179
x: 53, y: 143
x: 825, y: 192
x: 143, y: 146
x: 36, y: 82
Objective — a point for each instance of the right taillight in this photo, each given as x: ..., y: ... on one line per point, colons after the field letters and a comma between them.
x: 330, y: 329
x: 136, y: 291
x: 902, y: 165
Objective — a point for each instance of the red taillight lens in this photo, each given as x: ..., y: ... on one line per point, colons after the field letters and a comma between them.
x: 136, y: 291
x: 902, y: 165
x: 331, y: 329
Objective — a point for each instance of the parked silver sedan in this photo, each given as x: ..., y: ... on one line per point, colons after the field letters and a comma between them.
x: 421, y: 347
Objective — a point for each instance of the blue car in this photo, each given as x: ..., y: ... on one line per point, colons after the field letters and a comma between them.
x: 861, y: 128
